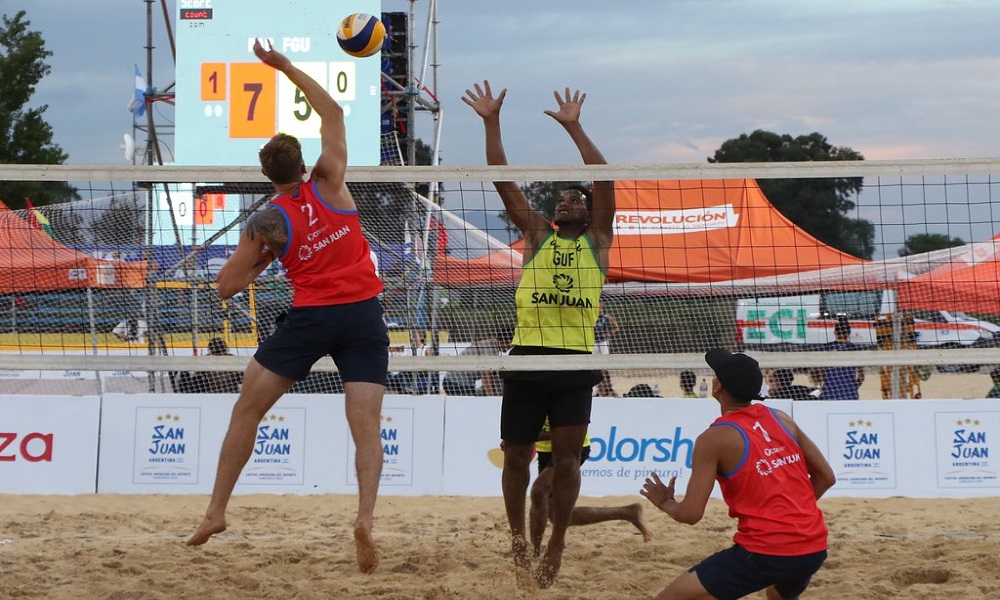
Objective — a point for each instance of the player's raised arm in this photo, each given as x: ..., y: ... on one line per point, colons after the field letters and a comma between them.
x: 603, y: 212
x: 531, y: 224
x: 331, y: 165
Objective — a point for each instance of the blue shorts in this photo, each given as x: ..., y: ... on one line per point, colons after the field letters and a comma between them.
x: 354, y: 335
x: 735, y: 573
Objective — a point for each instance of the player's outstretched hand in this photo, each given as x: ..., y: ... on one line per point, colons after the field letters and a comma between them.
x: 655, y: 491
x: 482, y: 100
x: 569, y: 106
x: 268, y: 55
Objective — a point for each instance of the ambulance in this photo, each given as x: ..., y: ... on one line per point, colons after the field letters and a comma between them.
x: 806, y: 322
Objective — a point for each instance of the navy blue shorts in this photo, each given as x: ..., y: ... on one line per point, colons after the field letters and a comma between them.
x: 735, y: 573
x: 545, y: 458
x: 565, y: 397
x: 354, y: 335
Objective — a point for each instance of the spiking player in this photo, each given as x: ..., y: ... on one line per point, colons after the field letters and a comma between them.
x: 312, y: 227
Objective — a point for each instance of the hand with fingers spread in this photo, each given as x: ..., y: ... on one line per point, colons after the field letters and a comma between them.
x: 569, y: 106
x: 482, y: 100
x: 656, y: 492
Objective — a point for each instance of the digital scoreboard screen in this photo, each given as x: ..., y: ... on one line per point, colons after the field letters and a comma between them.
x: 228, y: 103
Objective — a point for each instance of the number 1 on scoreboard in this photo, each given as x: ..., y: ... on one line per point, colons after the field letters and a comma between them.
x: 213, y: 82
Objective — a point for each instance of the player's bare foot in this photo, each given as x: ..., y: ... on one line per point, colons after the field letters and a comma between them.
x: 635, y: 518
x: 522, y: 563
x: 209, y: 527
x: 549, y: 566
x: 367, y: 551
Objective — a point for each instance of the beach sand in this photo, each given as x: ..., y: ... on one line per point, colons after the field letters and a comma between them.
x: 122, y: 547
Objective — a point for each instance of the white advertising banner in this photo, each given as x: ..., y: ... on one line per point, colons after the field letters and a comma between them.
x: 472, y: 457
x: 912, y: 448
x: 48, y: 444
x: 170, y: 444
x: 161, y: 443
x: 166, y: 446
x: 630, y: 437
x: 412, y: 439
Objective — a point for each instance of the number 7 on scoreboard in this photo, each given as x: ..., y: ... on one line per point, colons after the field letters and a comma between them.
x: 252, y: 100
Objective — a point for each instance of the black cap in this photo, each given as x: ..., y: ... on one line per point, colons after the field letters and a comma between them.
x: 641, y: 390
x: 738, y: 373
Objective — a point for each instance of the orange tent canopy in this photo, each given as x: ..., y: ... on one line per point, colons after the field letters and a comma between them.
x: 31, y: 261
x: 681, y: 231
x: 970, y: 283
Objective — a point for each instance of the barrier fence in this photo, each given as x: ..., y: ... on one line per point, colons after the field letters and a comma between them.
x: 437, y: 445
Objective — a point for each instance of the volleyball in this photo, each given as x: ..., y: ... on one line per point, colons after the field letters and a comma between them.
x: 361, y: 35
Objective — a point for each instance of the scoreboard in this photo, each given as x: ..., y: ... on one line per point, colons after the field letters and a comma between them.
x: 228, y: 103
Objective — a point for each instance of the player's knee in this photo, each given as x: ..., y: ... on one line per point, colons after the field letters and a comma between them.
x: 566, y: 464
x: 517, y: 456
x: 539, y: 492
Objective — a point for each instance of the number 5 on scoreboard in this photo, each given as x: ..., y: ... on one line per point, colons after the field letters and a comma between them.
x: 252, y: 100
x: 295, y: 115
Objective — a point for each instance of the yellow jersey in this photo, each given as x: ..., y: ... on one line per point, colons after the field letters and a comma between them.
x: 546, y: 445
x: 559, y: 295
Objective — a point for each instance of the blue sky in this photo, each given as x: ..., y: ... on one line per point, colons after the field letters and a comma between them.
x: 667, y: 81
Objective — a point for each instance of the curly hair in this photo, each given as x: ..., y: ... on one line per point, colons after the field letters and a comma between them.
x: 281, y: 158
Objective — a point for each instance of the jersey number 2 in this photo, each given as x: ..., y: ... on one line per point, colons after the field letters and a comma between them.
x: 309, y: 209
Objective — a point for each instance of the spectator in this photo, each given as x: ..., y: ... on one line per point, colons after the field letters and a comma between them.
x: 842, y: 383
x: 605, y: 328
x: 688, y: 379
x: 641, y: 390
x: 816, y: 379
x: 208, y: 382
x: 412, y: 382
x: 779, y: 383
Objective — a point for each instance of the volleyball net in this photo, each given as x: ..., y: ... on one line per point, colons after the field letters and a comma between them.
x: 115, y: 290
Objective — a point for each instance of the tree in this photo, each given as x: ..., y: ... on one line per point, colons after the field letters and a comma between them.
x: 925, y: 242
x: 25, y: 137
x: 819, y: 206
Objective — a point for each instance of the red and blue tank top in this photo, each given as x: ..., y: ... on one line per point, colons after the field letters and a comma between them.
x: 327, y: 258
x: 769, y: 492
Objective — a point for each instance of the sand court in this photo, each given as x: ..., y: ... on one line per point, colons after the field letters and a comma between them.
x: 120, y: 547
